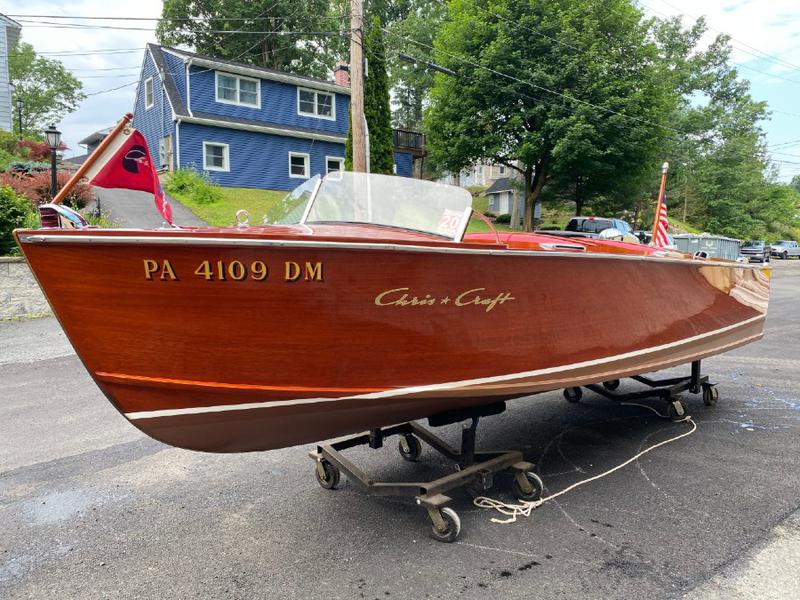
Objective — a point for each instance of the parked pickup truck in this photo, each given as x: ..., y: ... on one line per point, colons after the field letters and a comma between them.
x: 755, y: 250
x: 591, y: 227
x: 785, y: 249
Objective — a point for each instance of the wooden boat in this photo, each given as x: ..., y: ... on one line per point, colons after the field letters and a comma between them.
x: 362, y: 304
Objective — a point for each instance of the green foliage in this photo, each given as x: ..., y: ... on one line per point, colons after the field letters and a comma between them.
x: 504, y: 218
x: 192, y: 23
x: 796, y: 183
x: 376, y: 103
x: 48, y: 91
x: 590, y: 51
x: 7, y: 159
x: 15, y: 212
x: 411, y: 83
x: 188, y: 183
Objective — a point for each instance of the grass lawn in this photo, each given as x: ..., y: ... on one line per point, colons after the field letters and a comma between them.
x: 223, y: 213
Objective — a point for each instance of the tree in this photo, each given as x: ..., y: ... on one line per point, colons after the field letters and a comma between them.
x: 796, y: 183
x: 557, y: 90
x: 48, y: 91
x: 298, y: 37
x: 377, y: 110
x: 412, y: 32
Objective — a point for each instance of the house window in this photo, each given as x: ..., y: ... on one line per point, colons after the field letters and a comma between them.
x: 148, y: 92
x: 501, y: 170
x: 233, y: 89
x: 215, y: 157
x: 333, y: 164
x: 299, y: 165
x: 316, y: 104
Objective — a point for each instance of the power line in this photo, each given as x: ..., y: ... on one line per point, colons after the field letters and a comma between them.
x: 761, y: 55
x: 533, y: 85
x: 52, y: 25
x: 114, y: 89
x: 171, y: 19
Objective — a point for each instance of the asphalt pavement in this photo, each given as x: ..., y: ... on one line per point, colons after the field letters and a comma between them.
x: 91, y: 508
x: 129, y: 208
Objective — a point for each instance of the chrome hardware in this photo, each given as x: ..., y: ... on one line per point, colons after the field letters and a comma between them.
x: 242, y: 218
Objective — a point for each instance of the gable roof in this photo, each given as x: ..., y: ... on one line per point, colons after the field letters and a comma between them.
x: 232, y: 66
x: 95, y: 137
x: 503, y: 184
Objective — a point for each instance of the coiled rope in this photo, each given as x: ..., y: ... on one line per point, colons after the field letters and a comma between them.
x: 524, y: 508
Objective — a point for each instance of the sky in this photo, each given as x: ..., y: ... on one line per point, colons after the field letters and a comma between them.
x: 765, y: 39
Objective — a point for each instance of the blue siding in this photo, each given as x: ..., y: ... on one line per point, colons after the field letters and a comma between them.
x: 278, y: 104
x: 178, y: 70
x: 154, y: 122
x: 257, y: 160
x: 405, y: 164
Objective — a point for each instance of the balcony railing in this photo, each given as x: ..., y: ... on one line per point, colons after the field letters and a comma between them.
x: 409, y: 141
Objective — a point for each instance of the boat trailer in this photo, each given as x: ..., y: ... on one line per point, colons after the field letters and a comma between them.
x: 476, y: 470
x: 667, y: 390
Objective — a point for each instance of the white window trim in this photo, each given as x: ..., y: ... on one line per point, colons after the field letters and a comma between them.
x: 225, y: 157
x: 308, y: 165
x: 152, y: 93
x: 236, y: 102
x: 314, y: 115
x: 339, y: 158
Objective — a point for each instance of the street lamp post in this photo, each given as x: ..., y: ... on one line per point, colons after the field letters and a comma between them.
x: 53, y: 137
x: 20, y: 105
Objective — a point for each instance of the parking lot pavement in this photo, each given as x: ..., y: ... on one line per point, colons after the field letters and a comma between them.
x: 90, y: 508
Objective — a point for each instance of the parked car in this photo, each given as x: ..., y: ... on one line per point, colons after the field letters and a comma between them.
x: 755, y: 250
x: 785, y: 249
x: 597, y: 224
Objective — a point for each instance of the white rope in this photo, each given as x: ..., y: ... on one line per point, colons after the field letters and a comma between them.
x: 525, y: 508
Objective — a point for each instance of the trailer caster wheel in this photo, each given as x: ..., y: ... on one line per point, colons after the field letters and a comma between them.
x: 573, y: 394
x: 410, y: 447
x: 677, y: 410
x: 448, y: 529
x: 327, y: 474
x: 710, y: 395
x: 611, y: 385
x: 528, y: 486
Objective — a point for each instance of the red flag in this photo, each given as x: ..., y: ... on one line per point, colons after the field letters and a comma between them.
x: 126, y: 163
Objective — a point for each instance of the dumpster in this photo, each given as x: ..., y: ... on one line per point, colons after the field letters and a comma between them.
x: 714, y: 245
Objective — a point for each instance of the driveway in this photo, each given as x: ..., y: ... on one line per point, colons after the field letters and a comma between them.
x: 128, y: 208
x: 90, y: 508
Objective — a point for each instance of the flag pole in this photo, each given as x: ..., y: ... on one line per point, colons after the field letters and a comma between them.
x: 664, y: 170
x: 92, y: 158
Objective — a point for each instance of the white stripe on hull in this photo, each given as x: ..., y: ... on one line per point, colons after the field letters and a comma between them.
x: 464, y: 385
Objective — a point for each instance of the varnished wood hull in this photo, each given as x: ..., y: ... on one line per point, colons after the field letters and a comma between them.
x: 245, y: 364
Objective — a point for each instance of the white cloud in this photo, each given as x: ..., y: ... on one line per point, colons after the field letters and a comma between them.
x: 103, y: 110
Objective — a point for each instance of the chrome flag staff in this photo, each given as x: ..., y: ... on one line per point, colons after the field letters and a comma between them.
x: 122, y: 161
x: 660, y: 222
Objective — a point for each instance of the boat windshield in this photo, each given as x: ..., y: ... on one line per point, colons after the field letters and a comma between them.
x: 387, y: 200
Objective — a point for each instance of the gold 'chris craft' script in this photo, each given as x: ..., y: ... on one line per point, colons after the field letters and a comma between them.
x: 474, y: 297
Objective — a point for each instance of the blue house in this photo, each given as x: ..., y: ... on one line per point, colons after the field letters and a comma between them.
x: 247, y: 126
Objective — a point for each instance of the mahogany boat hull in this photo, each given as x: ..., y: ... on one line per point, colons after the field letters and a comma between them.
x: 229, y: 343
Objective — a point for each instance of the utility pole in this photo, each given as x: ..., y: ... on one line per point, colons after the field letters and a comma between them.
x: 357, y: 120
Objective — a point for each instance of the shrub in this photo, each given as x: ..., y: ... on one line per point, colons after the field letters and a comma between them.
x: 504, y: 218
x: 36, y: 150
x: 8, y: 142
x: 491, y: 215
x: 15, y: 212
x: 36, y: 188
x: 193, y: 186
x: 6, y: 158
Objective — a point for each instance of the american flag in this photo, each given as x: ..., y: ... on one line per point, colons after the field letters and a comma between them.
x: 660, y: 239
